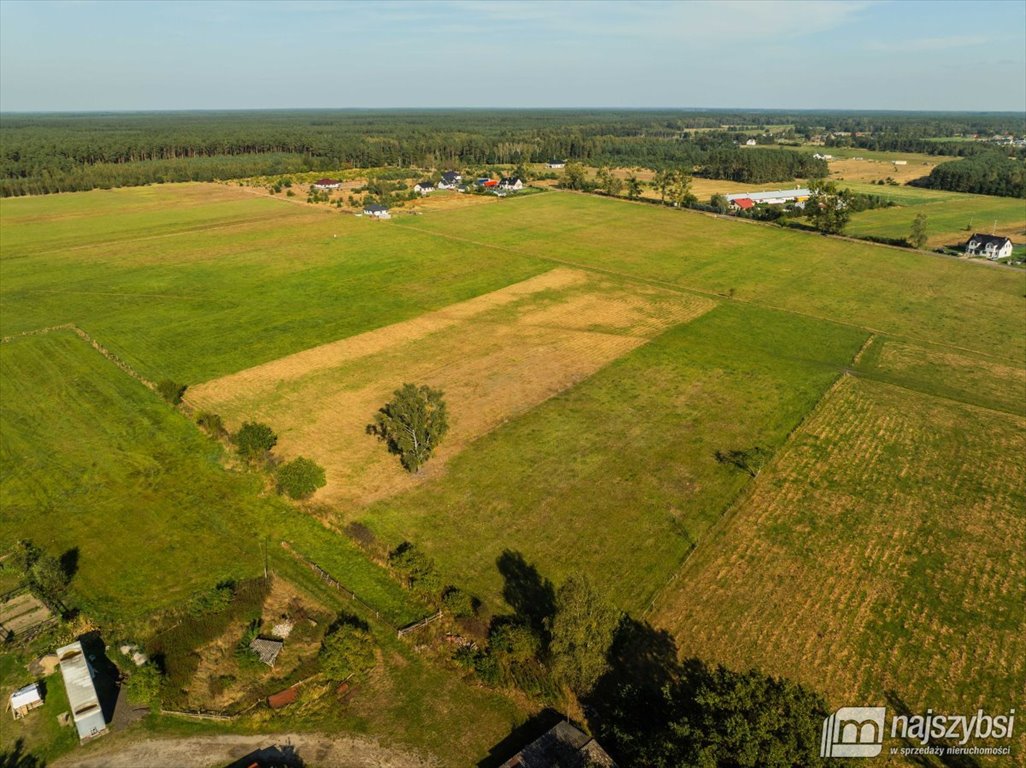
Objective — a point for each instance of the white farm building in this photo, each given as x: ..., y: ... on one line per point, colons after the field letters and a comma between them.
x: 78, y: 680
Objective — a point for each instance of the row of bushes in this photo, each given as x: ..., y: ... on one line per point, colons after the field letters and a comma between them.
x: 297, y: 479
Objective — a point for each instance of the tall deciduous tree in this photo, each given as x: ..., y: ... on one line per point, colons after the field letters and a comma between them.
x: 917, y: 235
x: 828, y: 208
x: 412, y: 424
x: 633, y: 187
x: 582, y: 631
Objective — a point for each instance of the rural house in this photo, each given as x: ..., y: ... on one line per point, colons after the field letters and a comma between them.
x: 376, y: 211
x: 78, y: 681
x: 327, y: 184
x: 562, y: 746
x: 450, y: 180
x: 424, y: 187
x: 556, y: 164
x: 991, y: 246
x: 751, y: 143
x: 24, y: 700
x: 511, y: 183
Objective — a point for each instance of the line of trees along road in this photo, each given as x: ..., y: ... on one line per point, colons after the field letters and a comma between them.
x: 52, y: 153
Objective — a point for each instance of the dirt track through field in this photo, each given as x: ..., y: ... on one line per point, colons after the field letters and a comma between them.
x: 311, y: 749
x: 494, y: 356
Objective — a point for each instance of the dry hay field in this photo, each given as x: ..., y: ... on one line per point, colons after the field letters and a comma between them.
x: 494, y: 356
x: 882, y: 556
x: 866, y: 169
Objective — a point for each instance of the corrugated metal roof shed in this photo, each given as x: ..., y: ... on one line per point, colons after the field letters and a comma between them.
x: 78, y: 681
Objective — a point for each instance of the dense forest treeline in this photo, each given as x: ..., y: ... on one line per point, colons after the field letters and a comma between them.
x: 66, y: 152
x: 982, y: 174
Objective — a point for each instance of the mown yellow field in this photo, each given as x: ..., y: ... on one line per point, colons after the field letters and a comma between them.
x: 881, y: 557
x: 494, y: 356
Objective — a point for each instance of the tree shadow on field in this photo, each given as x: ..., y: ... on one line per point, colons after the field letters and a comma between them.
x: 277, y: 756
x: 626, y: 699
x: 532, y: 597
x: 899, y: 707
x: 69, y: 563
x: 15, y: 756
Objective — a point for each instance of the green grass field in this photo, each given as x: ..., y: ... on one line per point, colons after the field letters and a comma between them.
x: 950, y: 217
x: 624, y: 463
x: 613, y: 473
x: 94, y: 462
x: 194, y: 281
x: 906, y: 295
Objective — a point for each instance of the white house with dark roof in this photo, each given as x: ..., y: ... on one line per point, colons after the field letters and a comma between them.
x: 376, y: 211
x: 556, y: 164
x: 511, y: 183
x: 423, y: 187
x: 78, y: 682
x: 990, y: 246
x: 450, y: 180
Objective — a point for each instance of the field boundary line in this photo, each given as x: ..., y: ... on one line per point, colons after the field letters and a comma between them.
x: 731, y: 507
x: 868, y: 376
x: 684, y: 289
x: 91, y: 342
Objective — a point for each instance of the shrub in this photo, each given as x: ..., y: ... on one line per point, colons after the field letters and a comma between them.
x: 171, y: 391
x: 347, y: 649
x: 210, y: 422
x: 299, y: 478
x: 415, y: 568
x: 254, y: 440
x: 458, y: 603
x: 143, y: 685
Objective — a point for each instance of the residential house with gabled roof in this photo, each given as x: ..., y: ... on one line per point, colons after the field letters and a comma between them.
x: 376, y: 211
x: 990, y: 246
x: 423, y: 187
x: 511, y: 183
x: 327, y: 184
x: 450, y: 180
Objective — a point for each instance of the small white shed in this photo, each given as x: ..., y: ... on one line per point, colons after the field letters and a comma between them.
x: 24, y: 700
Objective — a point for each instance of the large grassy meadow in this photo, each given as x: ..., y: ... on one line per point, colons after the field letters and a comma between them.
x: 885, y: 387
x: 904, y: 294
x: 618, y: 477
x: 96, y: 464
x: 194, y: 281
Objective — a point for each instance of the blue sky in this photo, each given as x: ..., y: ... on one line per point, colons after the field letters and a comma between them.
x: 841, y: 54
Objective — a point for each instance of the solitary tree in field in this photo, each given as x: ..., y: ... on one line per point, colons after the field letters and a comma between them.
x: 917, y: 236
x: 412, y: 424
x: 44, y: 573
x: 254, y: 440
x: 828, y: 208
x: 720, y: 202
x: 582, y: 631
